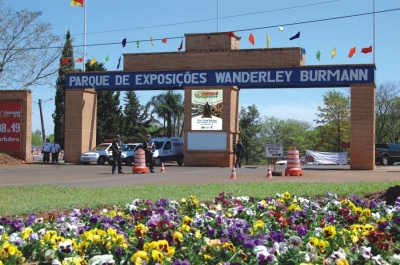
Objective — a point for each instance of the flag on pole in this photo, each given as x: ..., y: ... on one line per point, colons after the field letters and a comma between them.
x: 268, y: 41
x: 180, y: 46
x: 79, y: 59
x: 280, y: 28
x: 251, y: 38
x: 106, y: 59
x: 123, y: 42
x: 77, y: 3
x: 151, y: 41
x: 164, y: 40
x: 318, y: 55
x: 92, y: 61
x: 333, y: 52
x: 119, y: 61
x: 352, y: 51
x: 303, y: 51
x: 367, y: 50
x: 230, y: 34
x: 295, y: 36
x: 137, y: 43
x: 64, y: 61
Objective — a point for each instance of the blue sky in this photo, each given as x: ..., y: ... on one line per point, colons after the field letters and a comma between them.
x: 111, y: 21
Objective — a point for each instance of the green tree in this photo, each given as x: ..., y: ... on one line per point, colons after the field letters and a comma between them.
x: 137, y: 119
x: 250, y: 129
x: 387, y: 127
x: 109, y: 111
x: 25, y: 58
x: 37, y: 138
x: 168, y: 106
x: 59, y: 112
x: 334, y: 118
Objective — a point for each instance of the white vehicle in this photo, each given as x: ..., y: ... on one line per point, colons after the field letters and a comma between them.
x: 128, y: 153
x: 99, y: 154
x: 168, y: 149
x: 282, y: 161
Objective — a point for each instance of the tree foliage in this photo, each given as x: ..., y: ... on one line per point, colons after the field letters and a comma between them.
x: 26, y: 59
x: 37, y: 139
x: 334, y: 118
x: 59, y: 112
x: 387, y: 127
x: 250, y: 128
x: 137, y: 119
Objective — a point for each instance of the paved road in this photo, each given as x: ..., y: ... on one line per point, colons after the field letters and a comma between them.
x: 100, y: 176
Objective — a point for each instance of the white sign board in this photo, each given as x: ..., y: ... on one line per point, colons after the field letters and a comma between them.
x: 273, y: 150
x: 328, y: 157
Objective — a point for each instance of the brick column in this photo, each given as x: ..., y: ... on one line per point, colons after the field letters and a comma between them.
x: 362, y: 120
x: 80, y: 123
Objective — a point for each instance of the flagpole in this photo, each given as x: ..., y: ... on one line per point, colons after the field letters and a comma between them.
x: 374, y: 47
x: 217, y: 15
x: 84, y: 35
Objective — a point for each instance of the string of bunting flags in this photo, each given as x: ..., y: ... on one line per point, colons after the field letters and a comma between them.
x: 251, y: 39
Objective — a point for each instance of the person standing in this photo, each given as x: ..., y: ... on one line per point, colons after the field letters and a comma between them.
x: 149, y: 148
x: 46, y: 149
x: 116, y: 148
x: 238, y: 153
x: 55, y: 150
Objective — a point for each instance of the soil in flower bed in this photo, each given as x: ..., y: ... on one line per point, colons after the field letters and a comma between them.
x: 9, y: 160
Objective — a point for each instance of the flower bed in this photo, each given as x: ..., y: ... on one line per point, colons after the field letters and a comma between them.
x: 230, y: 230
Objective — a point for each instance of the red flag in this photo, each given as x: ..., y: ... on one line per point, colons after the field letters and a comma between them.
x: 251, y: 38
x: 79, y: 59
x: 164, y: 40
x: 77, y: 3
x: 180, y: 47
x: 352, y: 52
x: 230, y: 34
x: 367, y: 50
x: 64, y: 62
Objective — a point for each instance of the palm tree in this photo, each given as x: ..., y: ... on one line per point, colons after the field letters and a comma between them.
x: 169, y: 107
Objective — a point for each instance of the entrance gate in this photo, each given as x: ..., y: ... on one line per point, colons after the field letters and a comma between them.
x: 214, y: 67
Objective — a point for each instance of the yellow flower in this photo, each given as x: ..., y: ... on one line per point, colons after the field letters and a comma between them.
x: 183, y: 200
x: 259, y: 224
x: 162, y: 245
x: 281, y: 200
x: 187, y: 220
x: 74, y: 261
x: 158, y: 256
x: 197, y: 234
x: 286, y: 195
x: 322, y: 244
x: 294, y: 206
x: 177, y: 238
x: 389, y: 216
x: 229, y: 246
x: 185, y: 228
x: 206, y: 256
x: 329, y: 231
x: 314, y: 241
x: 342, y: 261
x: 142, y: 255
x: 170, y: 252
x: 26, y: 233
x: 141, y: 230
x: 367, y: 212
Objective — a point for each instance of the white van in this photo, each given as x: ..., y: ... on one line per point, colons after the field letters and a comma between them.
x: 168, y: 149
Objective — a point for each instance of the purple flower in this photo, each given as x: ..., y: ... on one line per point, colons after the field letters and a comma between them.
x: 382, y: 226
x: 5, y: 221
x: 397, y: 221
x: 119, y: 252
x: 17, y: 225
x: 277, y: 236
x: 178, y: 262
x: 373, y: 204
x: 31, y: 219
x: 301, y: 230
x: 94, y: 219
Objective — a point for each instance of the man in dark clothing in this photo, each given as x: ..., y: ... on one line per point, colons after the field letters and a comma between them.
x: 116, y: 148
x: 238, y: 153
x: 149, y: 147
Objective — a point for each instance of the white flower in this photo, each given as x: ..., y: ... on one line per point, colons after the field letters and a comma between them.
x: 376, y: 216
x: 305, y: 255
x: 260, y: 248
x: 101, y: 259
x: 379, y: 261
x: 243, y: 198
x: 395, y: 258
x: 365, y: 252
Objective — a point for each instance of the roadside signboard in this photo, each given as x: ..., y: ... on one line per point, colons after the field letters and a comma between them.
x: 273, y: 150
x: 10, y: 125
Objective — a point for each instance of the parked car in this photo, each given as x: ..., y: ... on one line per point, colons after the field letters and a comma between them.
x: 98, y: 154
x: 387, y: 153
x: 168, y: 149
x: 282, y: 161
x: 128, y: 154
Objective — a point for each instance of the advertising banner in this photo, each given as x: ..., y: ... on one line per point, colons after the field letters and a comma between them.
x: 328, y: 157
x: 207, y: 110
x: 10, y: 126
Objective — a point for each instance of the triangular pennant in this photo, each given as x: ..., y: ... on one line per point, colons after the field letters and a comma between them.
x: 180, y: 46
x: 119, y: 61
x: 106, y: 59
x: 367, y: 50
x: 92, y: 61
x: 280, y: 28
x: 64, y: 61
x: 295, y: 36
x: 318, y: 55
x: 77, y: 3
x: 123, y: 42
x: 79, y: 59
x: 352, y: 52
x: 268, y: 41
x: 151, y: 41
x: 251, y: 38
x: 137, y: 43
x: 333, y: 52
x: 164, y: 40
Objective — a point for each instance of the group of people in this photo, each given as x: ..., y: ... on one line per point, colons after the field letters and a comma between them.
x: 50, y: 148
x: 116, y: 147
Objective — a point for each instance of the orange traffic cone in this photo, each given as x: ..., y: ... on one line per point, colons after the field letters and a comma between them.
x: 233, y: 174
x: 162, y: 168
x: 293, y: 163
x: 140, y: 162
x: 269, y: 173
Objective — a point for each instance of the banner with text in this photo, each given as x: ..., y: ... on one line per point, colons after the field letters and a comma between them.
x: 10, y: 126
x: 338, y: 76
x: 328, y: 157
x: 207, y: 110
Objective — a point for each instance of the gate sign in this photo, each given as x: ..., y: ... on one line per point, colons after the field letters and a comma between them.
x: 338, y: 76
x: 273, y: 150
x: 10, y: 126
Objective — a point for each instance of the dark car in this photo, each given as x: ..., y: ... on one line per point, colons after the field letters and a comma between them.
x: 387, y: 153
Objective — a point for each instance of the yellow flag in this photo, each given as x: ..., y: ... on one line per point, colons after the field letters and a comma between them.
x: 334, y: 52
x: 268, y: 41
x: 77, y: 3
x: 280, y: 28
x: 92, y: 61
x: 151, y: 41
